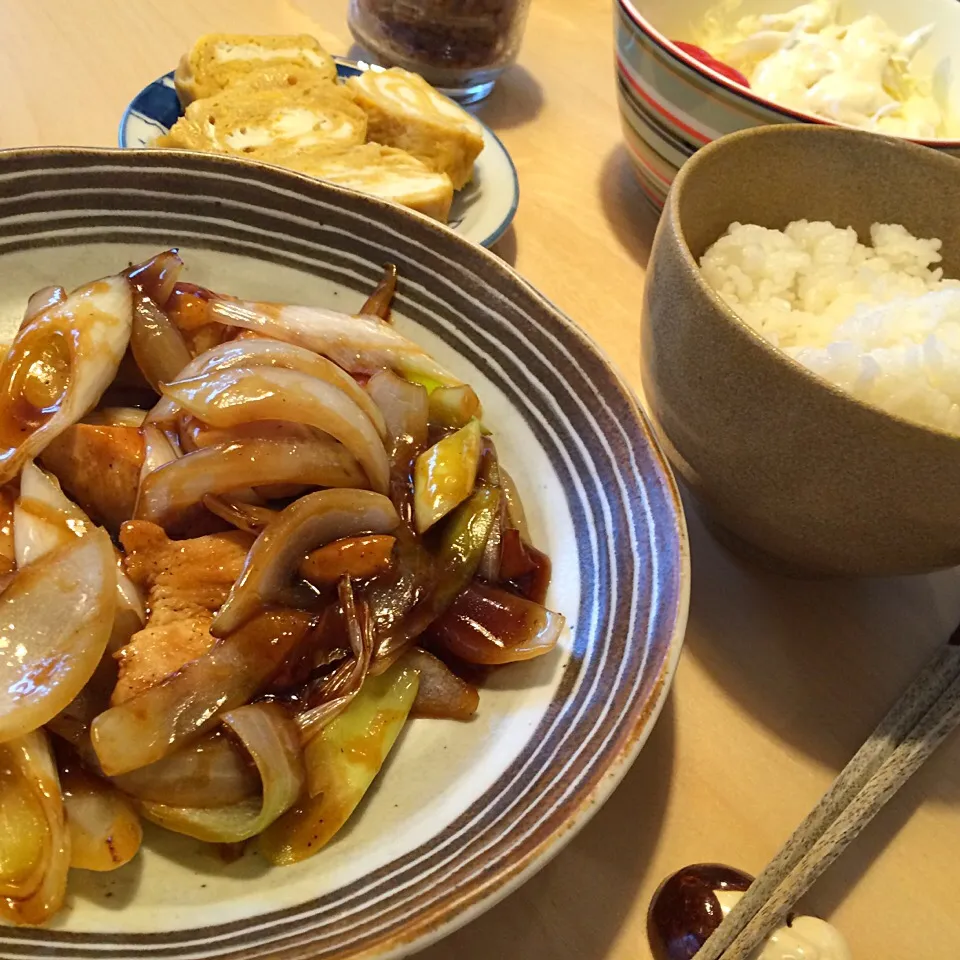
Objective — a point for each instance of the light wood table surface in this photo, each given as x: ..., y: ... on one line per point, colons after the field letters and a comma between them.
x: 780, y: 681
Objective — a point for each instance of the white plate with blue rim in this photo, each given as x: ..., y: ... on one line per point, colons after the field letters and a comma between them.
x: 481, y: 212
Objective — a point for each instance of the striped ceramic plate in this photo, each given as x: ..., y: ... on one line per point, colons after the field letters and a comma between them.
x: 464, y: 812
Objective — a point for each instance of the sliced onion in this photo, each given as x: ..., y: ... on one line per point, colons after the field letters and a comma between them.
x: 44, y: 297
x: 265, y: 352
x: 47, y: 519
x: 8, y: 554
x: 42, y: 894
x: 116, y: 417
x: 516, y: 517
x: 379, y: 302
x: 309, y: 522
x: 209, y: 773
x: 166, y: 493
x: 404, y: 407
x: 157, y: 345
x: 441, y: 695
x: 271, y: 739
x: 185, y: 705
x: 263, y: 393
x: 105, y: 831
x: 59, y: 364
x: 358, y: 344
x: 489, y: 473
x: 57, y: 617
x: 347, y: 680
x: 487, y: 625
x: 201, y: 435
x: 157, y: 276
x: 248, y: 517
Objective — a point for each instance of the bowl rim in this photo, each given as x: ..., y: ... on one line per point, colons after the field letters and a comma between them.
x: 431, y: 926
x: 672, y: 213
x: 669, y: 47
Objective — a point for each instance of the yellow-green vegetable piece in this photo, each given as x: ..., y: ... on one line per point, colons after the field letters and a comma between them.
x: 445, y: 474
x: 342, y: 761
x: 428, y: 383
x: 454, y: 406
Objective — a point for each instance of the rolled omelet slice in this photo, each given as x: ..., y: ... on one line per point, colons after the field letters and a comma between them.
x: 261, y: 123
x: 405, y: 112
x: 217, y: 60
x: 384, y: 172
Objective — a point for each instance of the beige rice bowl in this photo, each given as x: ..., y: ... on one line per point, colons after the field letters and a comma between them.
x: 879, y: 321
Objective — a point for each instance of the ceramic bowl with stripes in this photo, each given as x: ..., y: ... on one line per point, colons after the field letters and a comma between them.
x: 462, y: 813
x: 671, y: 104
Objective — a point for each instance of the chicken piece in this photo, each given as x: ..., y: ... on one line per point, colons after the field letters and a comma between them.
x: 185, y: 582
x: 99, y: 468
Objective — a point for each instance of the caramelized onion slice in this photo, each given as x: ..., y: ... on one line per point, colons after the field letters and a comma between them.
x: 249, y: 517
x: 209, y: 773
x: 57, y: 617
x: 241, y: 394
x: 487, y: 625
x: 157, y: 345
x: 183, y: 483
x: 43, y: 893
x: 42, y: 299
x: 61, y: 361
x: 307, y: 523
x: 157, y: 276
x: 45, y: 518
x: 441, y: 695
x: 105, y: 831
x: 271, y: 739
x: 379, y: 302
x: 265, y: 352
x: 358, y: 344
x: 187, y: 704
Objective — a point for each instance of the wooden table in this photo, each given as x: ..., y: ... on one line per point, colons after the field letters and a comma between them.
x: 780, y: 681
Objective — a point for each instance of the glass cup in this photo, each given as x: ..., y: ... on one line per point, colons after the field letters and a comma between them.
x: 459, y: 46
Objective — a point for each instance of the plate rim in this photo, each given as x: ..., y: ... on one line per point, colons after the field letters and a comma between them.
x: 510, y: 210
x: 430, y: 926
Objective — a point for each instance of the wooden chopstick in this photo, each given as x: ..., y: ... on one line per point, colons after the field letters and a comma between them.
x: 928, y: 709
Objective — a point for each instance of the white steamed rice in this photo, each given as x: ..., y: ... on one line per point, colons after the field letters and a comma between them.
x: 878, y: 321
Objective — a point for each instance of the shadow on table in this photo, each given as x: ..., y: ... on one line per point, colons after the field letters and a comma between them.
x: 516, y: 99
x: 817, y: 662
x: 633, y: 220
x: 574, y: 908
x: 506, y: 247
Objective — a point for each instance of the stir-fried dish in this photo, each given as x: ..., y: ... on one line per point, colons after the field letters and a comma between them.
x: 241, y: 544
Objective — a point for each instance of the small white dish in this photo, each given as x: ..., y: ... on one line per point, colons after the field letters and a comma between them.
x: 481, y: 212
